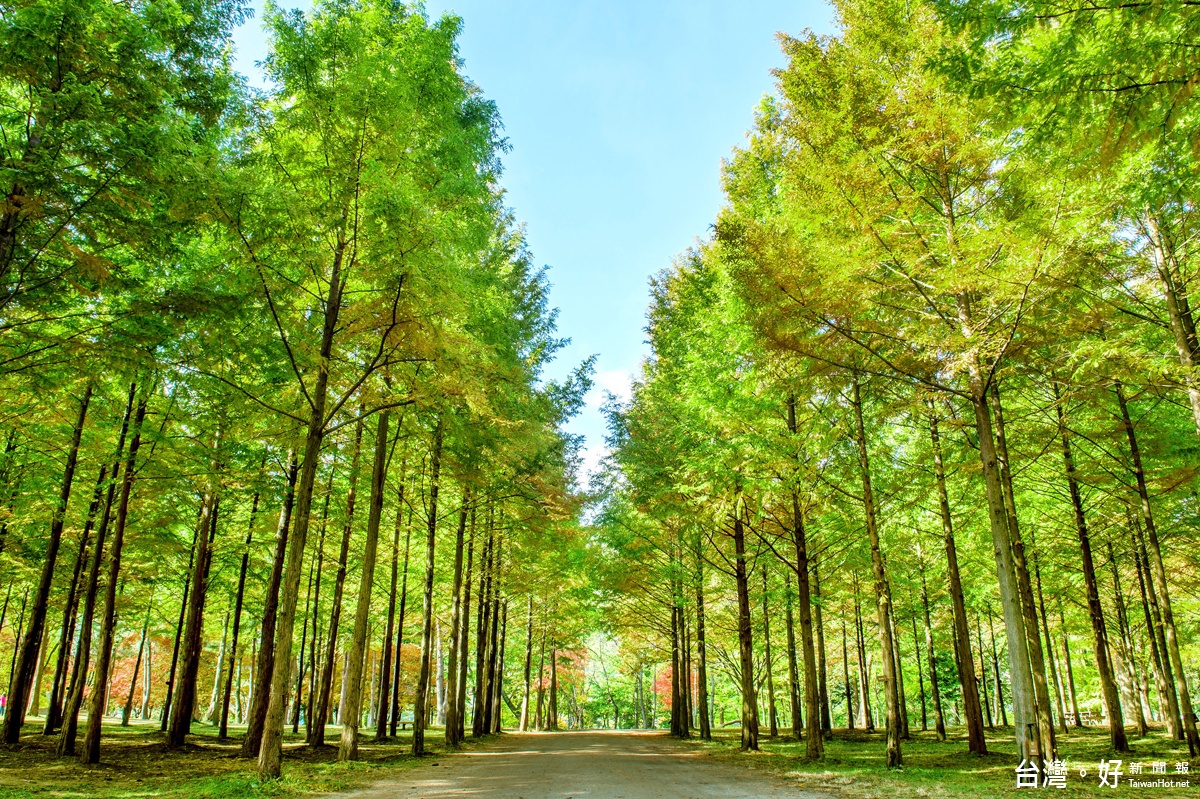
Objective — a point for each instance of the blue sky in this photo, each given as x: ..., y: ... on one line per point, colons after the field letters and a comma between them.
x: 618, y: 114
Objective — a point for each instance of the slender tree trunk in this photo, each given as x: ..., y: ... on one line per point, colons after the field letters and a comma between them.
x: 1031, y: 743
x: 1164, y: 683
x: 27, y: 661
x: 972, y: 712
x: 339, y: 587
x: 309, y: 615
x: 385, y: 669
x: 822, y: 669
x: 83, y: 650
x: 314, y: 674
x: 185, y: 693
x: 458, y: 629
x: 1078, y: 720
x: 793, y: 678
x: 882, y: 599
x: 772, y: 717
x: 403, y: 607
x: 352, y: 712
x: 749, y: 727
x: 1108, y: 685
x: 939, y: 717
x: 264, y: 665
x: 846, y: 678
x: 270, y: 755
x: 866, y: 717
x: 223, y: 729
x: 1182, y: 326
x: 137, y: 664
x: 1051, y: 657
x: 552, y: 708
x: 814, y: 748
x: 524, y: 723
x: 420, y: 708
x: 1126, y: 641
x: 996, y: 673
x: 58, y: 690
x: 1159, y: 580
x: 222, y: 654
x: 983, y: 673
x: 705, y: 721
x: 920, y: 676
x: 482, y: 624
x: 902, y: 697
x: 464, y: 635
x: 1044, y: 718
x: 99, y: 697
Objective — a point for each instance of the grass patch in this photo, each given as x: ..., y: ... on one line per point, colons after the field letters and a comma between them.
x: 136, y: 764
x: 853, y: 764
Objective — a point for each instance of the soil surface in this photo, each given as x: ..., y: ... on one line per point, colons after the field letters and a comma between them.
x: 579, y: 765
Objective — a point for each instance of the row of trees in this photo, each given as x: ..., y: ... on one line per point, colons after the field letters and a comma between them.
x: 942, y: 330
x: 237, y: 318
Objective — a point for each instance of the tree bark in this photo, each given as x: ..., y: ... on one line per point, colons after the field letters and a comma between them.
x: 705, y: 722
x: 1052, y: 658
x: 524, y: 723
x: 223, y: 728
x: 458, y: 630
x: 814, y: 748
x: 403, y: 607
x: 185, y: 693
x: 352, y: 712
x: 772, y: 717
x: 1159, y: 580
x: 420, y: 707
x: 264, y: 667
x: 749, y: 727
x: 939, y: 718
x: 883, y: 611
x: 1044, y: 718
x: 972, y: 711
x: 1125, y: 642
x: 99, y: 697
x: 385, y: 668
x: 27, y: 661
x: 83, y: 650
x: 137, y: 664
x: 339, y: 587
x: 1108, y: 685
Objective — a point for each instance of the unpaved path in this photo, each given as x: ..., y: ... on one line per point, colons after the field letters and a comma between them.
x: 583, y: 765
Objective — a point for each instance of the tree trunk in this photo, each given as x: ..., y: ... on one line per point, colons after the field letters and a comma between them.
x: 458, y: 629
x: 27, y: 661
x: 1159, y: 580
x: 314, y: 688
x: 1108, y: 685
x: 749, y: 727
x: 772, y: 717
x: 83, y: 650
x: 70, y: 610
x: 1044, y: 718
x: 385, y: 669
x: 1078, y: 720
x: 939, y: 717
x: 882, y: 599
x: 339, y: 587
x: 996, y: 673
x: 1182, y: 326
x: 210, y: 714
x: 270, y: 754
x: 352, y: 712
x: 99, y: 697
x: 1163, y: 682
x: 920, y: 676
x: 403, y: 607
x: 137, y: 664
x: 972, y: 711
x: 983, y: 673
x: 524, y: 723
x: 1125, y: 642
x: 705, y: 722
x: 419, y: 708
x: 846, y: 677
x: 185, y: 693
x: 1052, y: 658
x: 482, y: 624
x: 822, y: 670
x: 464, y: 636
x: 793, y: 675
x: 264, y: 666
x: 552, y: 708
x: 223, y: 729
x: 814, y: 748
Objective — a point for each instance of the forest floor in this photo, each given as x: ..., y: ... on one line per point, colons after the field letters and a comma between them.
x: 853, y: 765
x: 136, y: 764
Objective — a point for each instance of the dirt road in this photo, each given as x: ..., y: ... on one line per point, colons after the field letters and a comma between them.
x: 583, y: 765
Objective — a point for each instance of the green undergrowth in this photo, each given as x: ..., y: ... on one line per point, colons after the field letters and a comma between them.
x: 853, y: 766
x: 135, y: 764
